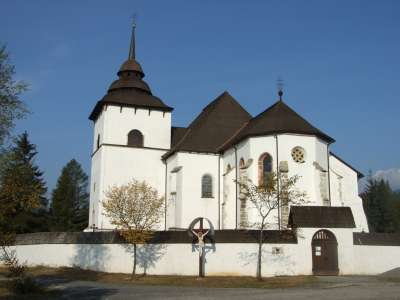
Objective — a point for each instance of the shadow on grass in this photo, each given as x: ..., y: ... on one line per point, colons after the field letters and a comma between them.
x: 54, y: 287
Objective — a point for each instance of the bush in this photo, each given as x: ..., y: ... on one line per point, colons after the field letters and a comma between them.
x: 24, y: 285
x: 10, y: 260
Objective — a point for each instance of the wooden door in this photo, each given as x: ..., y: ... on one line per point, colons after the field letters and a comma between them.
x: 324, y: 253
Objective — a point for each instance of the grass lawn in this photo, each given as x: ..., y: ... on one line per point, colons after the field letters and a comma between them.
x: 73, y: 274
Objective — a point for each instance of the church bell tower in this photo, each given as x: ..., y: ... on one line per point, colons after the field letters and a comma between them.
x: 132, y: 130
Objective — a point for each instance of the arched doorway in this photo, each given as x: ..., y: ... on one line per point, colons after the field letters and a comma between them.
x: 324, y: 249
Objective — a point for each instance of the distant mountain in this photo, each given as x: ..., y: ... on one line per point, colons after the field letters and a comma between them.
x: 390, y: 175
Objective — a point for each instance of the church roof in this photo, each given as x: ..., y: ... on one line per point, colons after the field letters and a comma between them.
x: 321, y: 216
x: 177, y: 134
x: 278, y: 118
x: 130, y: 89
x: 213, y: 126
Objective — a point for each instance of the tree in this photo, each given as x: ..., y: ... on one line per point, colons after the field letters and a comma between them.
x: 70, y: 199
x: 135, y: 209
x: 276, y: 193
x: 378, y: 205
x: 11, y: 106
x: 22, y: 188
x: 22, y: 199
x: 396, y: 208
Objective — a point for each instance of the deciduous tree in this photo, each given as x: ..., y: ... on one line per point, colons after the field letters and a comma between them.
x: 11, y: 106
x: 135, y: 209
x: 276, y: 193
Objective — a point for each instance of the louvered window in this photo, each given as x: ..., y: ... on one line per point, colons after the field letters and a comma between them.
x: 206, y: 186
x: 135, y: 138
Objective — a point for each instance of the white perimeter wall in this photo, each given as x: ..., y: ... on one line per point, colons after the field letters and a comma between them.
x: 221, y: 259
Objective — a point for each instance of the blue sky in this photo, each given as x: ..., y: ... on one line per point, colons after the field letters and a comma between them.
x: 339, y: 60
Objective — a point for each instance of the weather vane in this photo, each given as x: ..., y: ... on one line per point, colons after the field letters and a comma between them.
x: 279, y: 84
x: 133, y: 19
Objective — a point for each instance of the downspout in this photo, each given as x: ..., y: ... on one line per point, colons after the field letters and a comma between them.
x: 329, y: 177
x: 236, y: 189
x: 219, y: 192
x: 165, y: 197
x: 278, y: 183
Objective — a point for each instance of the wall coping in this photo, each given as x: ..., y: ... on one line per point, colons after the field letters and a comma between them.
x: 160, y: 237
x: 376, y: 239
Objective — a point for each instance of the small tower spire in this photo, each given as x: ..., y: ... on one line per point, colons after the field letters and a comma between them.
x: 279, y: 85
x: 132, y: 46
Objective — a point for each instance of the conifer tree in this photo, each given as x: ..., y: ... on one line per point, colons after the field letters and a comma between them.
x: 378, y: 205
x: 70, y: 199
x: 22, y: 189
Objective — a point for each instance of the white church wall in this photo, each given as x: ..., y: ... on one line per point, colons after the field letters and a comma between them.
x: 98, y: 131
x: 285, y: 143
x: 244, y: 210
x: 228, y: 197
x: 258, y: 146
x: 122, y: 164
x: 307, y: 171
x: 96, y: 186
x: 154, y: 125
x: 174, y: 192
x: 194, y: 166
x: 344, y: 191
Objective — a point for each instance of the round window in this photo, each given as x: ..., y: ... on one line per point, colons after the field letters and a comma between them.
x: 298, y: 154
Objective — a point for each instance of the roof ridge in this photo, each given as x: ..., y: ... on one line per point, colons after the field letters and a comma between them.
x: 233, y: 136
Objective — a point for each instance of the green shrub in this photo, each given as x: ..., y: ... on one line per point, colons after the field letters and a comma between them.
x: 24, y: 285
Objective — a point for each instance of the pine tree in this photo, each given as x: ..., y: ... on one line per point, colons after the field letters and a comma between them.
x: 70, y: 199
x: 378, y: 205
x: 22, y: 189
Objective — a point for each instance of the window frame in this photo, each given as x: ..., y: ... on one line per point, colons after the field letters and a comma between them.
x: 139, y: 143
x: 261, y: 172
x: 207, y: 187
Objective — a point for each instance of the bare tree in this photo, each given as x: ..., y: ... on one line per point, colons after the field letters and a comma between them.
x: 135, y: 209
x: 277, y: 193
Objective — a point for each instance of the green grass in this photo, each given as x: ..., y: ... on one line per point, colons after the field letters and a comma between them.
x: 192, y: 281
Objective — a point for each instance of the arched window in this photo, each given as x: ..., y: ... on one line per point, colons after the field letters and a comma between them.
x: 264, y: 169
x: 135, y: 138
x: 206, y: 186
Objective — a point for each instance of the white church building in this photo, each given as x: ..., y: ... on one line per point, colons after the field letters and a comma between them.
x: 197, y: 167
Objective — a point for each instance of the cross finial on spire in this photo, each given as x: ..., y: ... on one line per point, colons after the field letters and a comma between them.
x: 279, y: 84
x: 132, y: 46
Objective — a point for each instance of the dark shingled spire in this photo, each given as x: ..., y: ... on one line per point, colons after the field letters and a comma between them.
x: 132, y: 47
x: 130, y: 89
